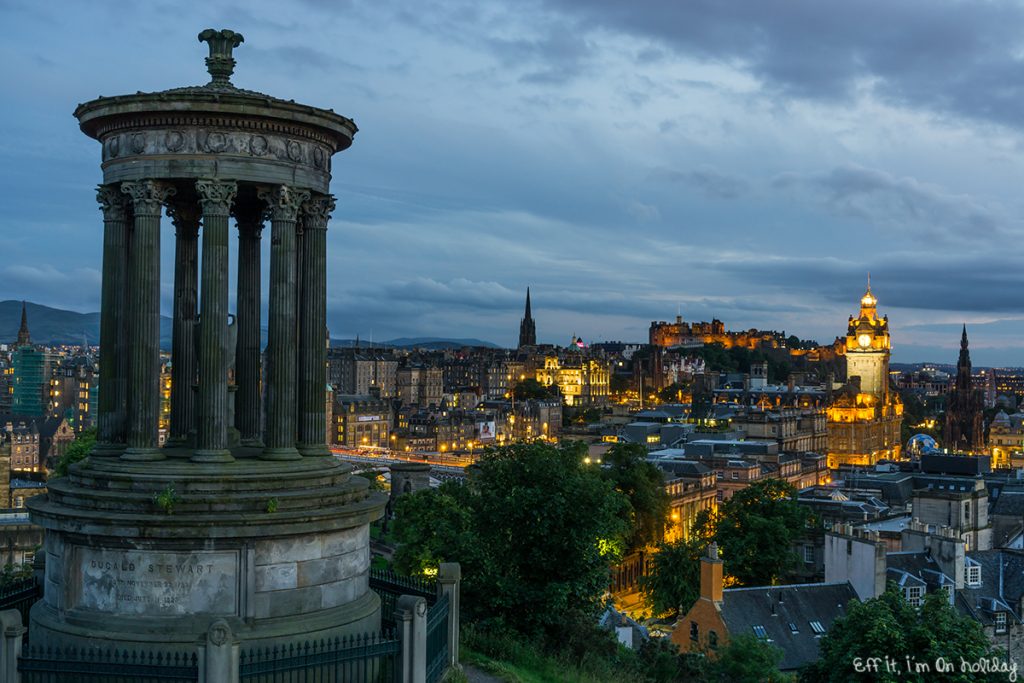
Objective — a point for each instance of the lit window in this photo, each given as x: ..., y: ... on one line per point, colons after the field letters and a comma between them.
x: 809, y: 554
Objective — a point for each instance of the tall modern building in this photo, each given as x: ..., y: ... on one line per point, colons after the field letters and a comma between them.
x: 964, y: 429
x: 864, y: 417
x: 527, y: 328
x: 31, y: 375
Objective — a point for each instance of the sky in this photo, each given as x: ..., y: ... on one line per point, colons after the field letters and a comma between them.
x: 749, y: 161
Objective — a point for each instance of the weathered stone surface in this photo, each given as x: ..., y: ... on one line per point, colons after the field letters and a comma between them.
x: 275, y: 577
x: 156, y: 583
x: 341, y: 592
x: 278, y: 550
x: 341, y: 542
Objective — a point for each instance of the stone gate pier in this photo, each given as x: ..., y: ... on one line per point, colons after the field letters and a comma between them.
x: 243, y: 516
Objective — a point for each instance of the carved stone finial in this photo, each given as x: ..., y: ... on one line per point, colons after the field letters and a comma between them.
x: 220, y: 63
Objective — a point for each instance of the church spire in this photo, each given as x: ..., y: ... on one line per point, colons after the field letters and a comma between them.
x: 963, y: 339
x: 527, y: 327
x: 23, y: 337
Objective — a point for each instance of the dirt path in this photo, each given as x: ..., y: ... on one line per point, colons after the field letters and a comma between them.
x: 475, y: 675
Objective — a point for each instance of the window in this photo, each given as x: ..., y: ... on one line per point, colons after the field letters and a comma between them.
x: 735, y: 474
x: 694, y: 631
x: 913, y: 595
x: 793, y: 629
x: 809, y: 554
x: 760, y: 632
x: 1000, y: 622
x: 713, y: 640
x: 967, y: 512
x: 817, y: 627
x: 973, y: 574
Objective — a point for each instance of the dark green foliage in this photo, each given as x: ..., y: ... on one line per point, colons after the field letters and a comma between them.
x: 531, y: 388
x: 671, y: 393
x: 76, y: 451
x: 746, y: 658
x: 534, y: 529
x: 755, y: 530
x: 626, y: 468
x: 674, y: 580
x: 888, y: 626
x: 14, y: 573
x: 717, y: 358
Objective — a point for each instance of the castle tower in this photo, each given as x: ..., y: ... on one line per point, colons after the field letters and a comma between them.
x: 964, y: 429
x: 527, y: 327
x: 868, y: 347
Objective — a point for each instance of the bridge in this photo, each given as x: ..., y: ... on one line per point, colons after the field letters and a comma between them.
x: 441, y: 466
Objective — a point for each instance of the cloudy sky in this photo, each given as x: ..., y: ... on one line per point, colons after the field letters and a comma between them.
x: 750, y: 161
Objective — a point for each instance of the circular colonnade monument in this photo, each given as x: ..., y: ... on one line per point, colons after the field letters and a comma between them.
x: 243, y: 515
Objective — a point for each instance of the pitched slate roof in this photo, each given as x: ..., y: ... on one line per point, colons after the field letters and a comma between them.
x: 780, y: 609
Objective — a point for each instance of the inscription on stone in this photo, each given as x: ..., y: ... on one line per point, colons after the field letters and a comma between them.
x: 158, y: 583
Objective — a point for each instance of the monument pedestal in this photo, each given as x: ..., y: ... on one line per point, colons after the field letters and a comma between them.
x: 153, y: 553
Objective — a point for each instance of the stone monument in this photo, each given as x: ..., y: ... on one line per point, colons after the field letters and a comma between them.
x: 149, y: 545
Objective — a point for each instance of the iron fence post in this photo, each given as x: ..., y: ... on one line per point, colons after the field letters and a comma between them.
x: 411, y: 618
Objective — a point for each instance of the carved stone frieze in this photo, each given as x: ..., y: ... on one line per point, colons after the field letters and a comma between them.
x: 204, y: 141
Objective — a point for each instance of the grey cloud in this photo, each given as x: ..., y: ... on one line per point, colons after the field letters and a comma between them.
x: 898, y: 203
x: 708, y: 181
x: 958, y: 58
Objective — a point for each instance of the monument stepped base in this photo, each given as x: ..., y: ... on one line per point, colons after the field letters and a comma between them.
x: 152, y: 553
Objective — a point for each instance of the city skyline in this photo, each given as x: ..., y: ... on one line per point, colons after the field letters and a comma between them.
x: 623, y: 165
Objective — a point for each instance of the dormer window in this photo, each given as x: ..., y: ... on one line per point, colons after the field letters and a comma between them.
x: 913, y: 595
x: 973, y: 574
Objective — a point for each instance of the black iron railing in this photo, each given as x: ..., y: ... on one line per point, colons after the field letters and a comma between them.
x: 437, y: 639
x: 20, y: 595
x: 389, y: 585
x: 370, y: 658
x: 57, y: 665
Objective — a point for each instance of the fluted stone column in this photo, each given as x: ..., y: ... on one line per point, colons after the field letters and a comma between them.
x: 211, y: 424
x: 247, y: 353
x: 312, y: 383
x: 281, y: 433
x: 147, y: 198
x: 185, y: 216
x: 110, y: 437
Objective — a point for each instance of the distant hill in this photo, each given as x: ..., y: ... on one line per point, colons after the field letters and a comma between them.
x: 53, y: 326
x: 432, y: 343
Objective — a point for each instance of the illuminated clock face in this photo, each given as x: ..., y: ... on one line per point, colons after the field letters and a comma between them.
x: 864, y: 340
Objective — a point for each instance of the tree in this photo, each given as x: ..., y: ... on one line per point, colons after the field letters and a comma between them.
x: 535, y: 530
x: 889, y: 626
x: 755, y: 529
x: 627, y: 469
x: 76, y: 451
x: 673, y: 581
x: 746, y: 658
x: 531, y: 388
x: 671, y: 393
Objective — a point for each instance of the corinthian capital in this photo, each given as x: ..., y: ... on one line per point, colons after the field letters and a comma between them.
x: 185, y: 216
x: 317, y: 211
x: 148, y: 195
x: 284, y: 201
x: 113, y: 203
x: 216, y: 196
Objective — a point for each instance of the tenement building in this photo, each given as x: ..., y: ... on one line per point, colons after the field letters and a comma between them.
x: 242, y: 526
x: 865, y: 416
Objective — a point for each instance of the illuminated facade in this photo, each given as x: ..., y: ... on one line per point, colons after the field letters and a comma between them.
x: 864, y: 419
x: 582, y: 381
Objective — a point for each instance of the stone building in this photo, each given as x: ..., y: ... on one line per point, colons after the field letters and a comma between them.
x: 964, y: 428
x: 865, y: 416
x: 420, y: 385
x: 582, y: 380
x: 361, y: 420
x: 30, y: 378
x: 362, y: 371
x: 792, y: 618
x: 71, y: 389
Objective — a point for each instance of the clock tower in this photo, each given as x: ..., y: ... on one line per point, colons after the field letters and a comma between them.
x: 868, y: 347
